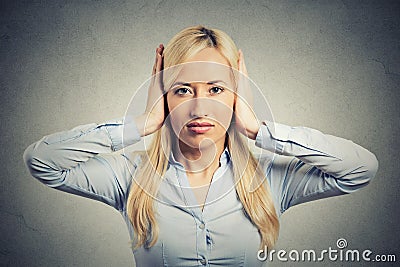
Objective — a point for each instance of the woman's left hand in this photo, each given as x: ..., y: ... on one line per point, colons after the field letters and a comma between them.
x: 246, y: 120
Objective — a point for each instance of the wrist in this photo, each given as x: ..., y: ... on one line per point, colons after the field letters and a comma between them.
x: 253, y: 131
x: 146, y: 125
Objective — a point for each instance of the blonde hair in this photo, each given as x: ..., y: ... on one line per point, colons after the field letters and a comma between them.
x: 258, y: 205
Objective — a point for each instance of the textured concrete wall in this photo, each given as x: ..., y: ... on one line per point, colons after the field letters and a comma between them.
x: 329, y: 65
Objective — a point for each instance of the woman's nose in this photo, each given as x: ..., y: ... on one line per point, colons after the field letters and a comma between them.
x: 200, y: 107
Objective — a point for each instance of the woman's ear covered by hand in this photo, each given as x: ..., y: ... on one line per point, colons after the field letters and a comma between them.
x: 154, y: 115
x: 246, y: 120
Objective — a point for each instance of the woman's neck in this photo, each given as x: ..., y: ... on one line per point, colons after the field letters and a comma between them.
x: 200, y: 161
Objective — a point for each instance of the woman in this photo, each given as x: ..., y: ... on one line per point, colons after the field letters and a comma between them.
x: 198, y: 196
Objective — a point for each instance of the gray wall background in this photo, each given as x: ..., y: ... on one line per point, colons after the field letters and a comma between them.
x: 330, y: 65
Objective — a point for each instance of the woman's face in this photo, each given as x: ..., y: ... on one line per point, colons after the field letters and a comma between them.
x: 201, y: 99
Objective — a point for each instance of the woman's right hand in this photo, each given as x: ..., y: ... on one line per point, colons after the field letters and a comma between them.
x: 153, y: 117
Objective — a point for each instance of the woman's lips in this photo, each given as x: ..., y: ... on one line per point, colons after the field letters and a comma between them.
x: 199, y: 127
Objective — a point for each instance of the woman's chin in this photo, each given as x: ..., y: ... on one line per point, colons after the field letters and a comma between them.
x: 201, y: 141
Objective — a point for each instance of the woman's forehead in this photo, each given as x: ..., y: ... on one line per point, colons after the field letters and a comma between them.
x: 204, y: 72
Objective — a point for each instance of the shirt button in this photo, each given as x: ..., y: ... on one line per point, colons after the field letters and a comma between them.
x: 203, y: 261
x: 202, y: 226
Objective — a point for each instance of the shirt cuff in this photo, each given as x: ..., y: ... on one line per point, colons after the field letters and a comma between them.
x: 123, y: 132
x: 273, y: 136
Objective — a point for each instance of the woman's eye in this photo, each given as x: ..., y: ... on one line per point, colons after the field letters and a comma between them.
x: 182, y: 91
x: 216, y: 90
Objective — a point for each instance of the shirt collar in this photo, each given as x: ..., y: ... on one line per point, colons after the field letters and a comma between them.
x: 224, y: 159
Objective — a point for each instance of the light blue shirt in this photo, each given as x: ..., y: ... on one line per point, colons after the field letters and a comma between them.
x: 307, y: 165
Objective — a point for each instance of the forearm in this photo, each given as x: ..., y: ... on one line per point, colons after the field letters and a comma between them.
x: 145, y: 126
x: 61, y: 151
x: 333, y: 155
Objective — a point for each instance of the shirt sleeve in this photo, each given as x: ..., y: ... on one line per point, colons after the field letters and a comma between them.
x: 81, y: 160
x: 309, y: 165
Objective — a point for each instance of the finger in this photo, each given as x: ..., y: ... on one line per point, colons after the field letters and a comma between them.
x: 159, y: 51
x: 158, y: 68
x: 244, y: 67
x: 153, y: 71
x: 244, y: 86
x: 242, y: 63
x: 158, y: 63
x: 240, y: 60
x: 159, y: 57
x: 239, y: 67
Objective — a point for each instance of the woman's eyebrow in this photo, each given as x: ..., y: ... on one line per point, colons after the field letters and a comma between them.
x: 217, y: 81
x: 180, y: 83
x: 188, y: 84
